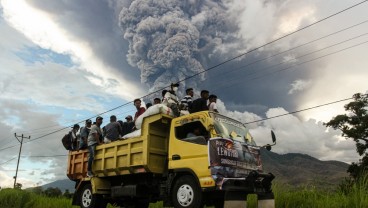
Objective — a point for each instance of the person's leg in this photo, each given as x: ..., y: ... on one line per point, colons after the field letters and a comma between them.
x: 91, y: 157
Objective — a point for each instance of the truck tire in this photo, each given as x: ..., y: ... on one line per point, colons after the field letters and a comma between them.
x: 89, y: 200
x: 186, y: 193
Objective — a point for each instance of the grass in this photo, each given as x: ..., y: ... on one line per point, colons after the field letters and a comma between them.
x: 14, y: 198
x: 285, y: 197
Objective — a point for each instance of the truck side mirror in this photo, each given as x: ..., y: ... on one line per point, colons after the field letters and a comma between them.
x: 273, y: 137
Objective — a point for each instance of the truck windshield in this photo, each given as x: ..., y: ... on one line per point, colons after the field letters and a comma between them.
x: 230, y: 128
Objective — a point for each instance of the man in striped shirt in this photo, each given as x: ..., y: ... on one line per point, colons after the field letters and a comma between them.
x: 186, y: 102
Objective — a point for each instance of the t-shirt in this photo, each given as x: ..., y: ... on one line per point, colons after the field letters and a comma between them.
x: 84, y: 132
x: 140, y: 111
x: 212, y: 106
x: 91, y: 138
x: 113, y: 130
x: 170, y: 98
x: 199, y: 104
x: 186, y: 102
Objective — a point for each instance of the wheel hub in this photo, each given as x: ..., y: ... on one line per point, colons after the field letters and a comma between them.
x: 185, y: 195
x: 86, y: 198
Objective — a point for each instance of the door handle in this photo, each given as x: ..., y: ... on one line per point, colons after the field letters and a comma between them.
x: 176, y: 157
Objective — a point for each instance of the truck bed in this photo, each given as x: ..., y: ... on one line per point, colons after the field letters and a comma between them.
x: 146, y: 153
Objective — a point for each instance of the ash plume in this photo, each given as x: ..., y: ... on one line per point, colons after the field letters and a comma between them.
x: 172, y: 39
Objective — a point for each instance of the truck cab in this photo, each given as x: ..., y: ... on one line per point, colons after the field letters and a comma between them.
x: 203, y: 158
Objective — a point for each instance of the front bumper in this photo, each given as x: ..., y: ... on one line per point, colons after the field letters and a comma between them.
x: 257, y: 183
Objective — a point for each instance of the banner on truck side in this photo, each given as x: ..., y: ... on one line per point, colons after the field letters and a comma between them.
x: 232, y: 159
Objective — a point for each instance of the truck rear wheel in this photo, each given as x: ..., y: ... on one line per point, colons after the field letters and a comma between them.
x: 186, y: 193
x: 89, y: 200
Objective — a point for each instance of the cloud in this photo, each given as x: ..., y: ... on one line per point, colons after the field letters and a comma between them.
x: 171, y: 40
x: 48, y: 34
x: 308, y: 137
x: 299, y: 85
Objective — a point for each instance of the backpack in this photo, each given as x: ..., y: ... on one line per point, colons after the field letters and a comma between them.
x: 67, y: 143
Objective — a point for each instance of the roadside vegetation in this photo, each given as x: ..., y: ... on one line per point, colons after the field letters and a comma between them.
x: 348, y: 194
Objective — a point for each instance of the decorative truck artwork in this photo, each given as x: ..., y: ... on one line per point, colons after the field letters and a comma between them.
x: 232, y: 159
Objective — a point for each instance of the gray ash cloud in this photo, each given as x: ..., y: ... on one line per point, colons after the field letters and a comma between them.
x: 172, y: 39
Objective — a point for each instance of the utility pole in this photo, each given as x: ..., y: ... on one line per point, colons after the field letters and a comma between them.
x: 20, y: 150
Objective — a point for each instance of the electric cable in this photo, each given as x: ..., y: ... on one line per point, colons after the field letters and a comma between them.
x: 298, y: 111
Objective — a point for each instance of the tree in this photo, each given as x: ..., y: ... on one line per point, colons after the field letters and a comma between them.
x: 355, y: 126
x: 53, y: 192
x: 67, y: 194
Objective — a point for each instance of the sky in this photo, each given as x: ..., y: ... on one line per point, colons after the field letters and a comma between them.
x: 64, y: 61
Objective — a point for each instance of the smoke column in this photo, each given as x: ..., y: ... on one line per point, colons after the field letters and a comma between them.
x: 172, y: 39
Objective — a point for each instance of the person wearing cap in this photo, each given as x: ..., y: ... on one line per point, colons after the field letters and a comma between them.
x: 140, y: 110
x: 200, y: 104
x: 128, y: 125
x: 212, y: 106
x: 93, y: 141
x: 171, y: 100
x: 112, y: 130
x: 73, y: 136
x: 84, y: 131
x: 186, y: 102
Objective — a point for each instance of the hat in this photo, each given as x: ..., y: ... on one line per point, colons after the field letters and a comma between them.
x: 88, y: 121
x: 129, y: 117
x: 99, y: 118
x: 75, y: 126
x: 175, y: 84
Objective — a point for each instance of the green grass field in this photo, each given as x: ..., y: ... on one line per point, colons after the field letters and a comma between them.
x: 308, y: 197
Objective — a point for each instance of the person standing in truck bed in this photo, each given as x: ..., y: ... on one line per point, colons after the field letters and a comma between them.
x: 93, y: 141
x: 140, y: 110
x: 84, y: 131
x: 112, y: 130
x: 200, y: 104
x: 212, y: 106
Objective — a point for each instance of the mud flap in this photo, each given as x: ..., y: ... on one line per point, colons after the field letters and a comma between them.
x: 234, y: 199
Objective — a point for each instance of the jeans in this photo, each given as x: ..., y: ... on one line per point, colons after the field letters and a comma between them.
x: 91, y: 156
x: 82, y: 144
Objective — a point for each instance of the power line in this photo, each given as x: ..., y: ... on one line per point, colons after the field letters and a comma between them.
x: 210, y: 68
x: 8, y: 161
x: 44, y: 155
x: 304, y: 62
x: 291, y: 49
x: 293, y: 65
x: 298, y: 111
x: 275, y: 40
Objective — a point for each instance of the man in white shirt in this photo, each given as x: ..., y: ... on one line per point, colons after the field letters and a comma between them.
x: 212, y: 106
x: 171, y: 100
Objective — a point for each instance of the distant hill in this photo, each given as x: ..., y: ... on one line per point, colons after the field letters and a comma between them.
x: 294, y: 169
x: 61, y: 184
x: 301, y: 169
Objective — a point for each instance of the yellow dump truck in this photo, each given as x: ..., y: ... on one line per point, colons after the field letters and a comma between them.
x: 194, y: 160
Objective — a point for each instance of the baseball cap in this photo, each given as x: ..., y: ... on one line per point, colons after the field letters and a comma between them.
x: 88, y: 121
x: 99, y: 118
x: 75, y: 126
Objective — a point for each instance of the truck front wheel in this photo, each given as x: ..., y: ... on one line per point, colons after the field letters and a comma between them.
x: 89, y: 200
x: 186, y: 193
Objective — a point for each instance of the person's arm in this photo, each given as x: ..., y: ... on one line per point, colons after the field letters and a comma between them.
x: 204, y: 105
x: 120, y: 129
x: 97, y: 137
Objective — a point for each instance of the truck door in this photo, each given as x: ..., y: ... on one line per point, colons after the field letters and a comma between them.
x: 188, y: 145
